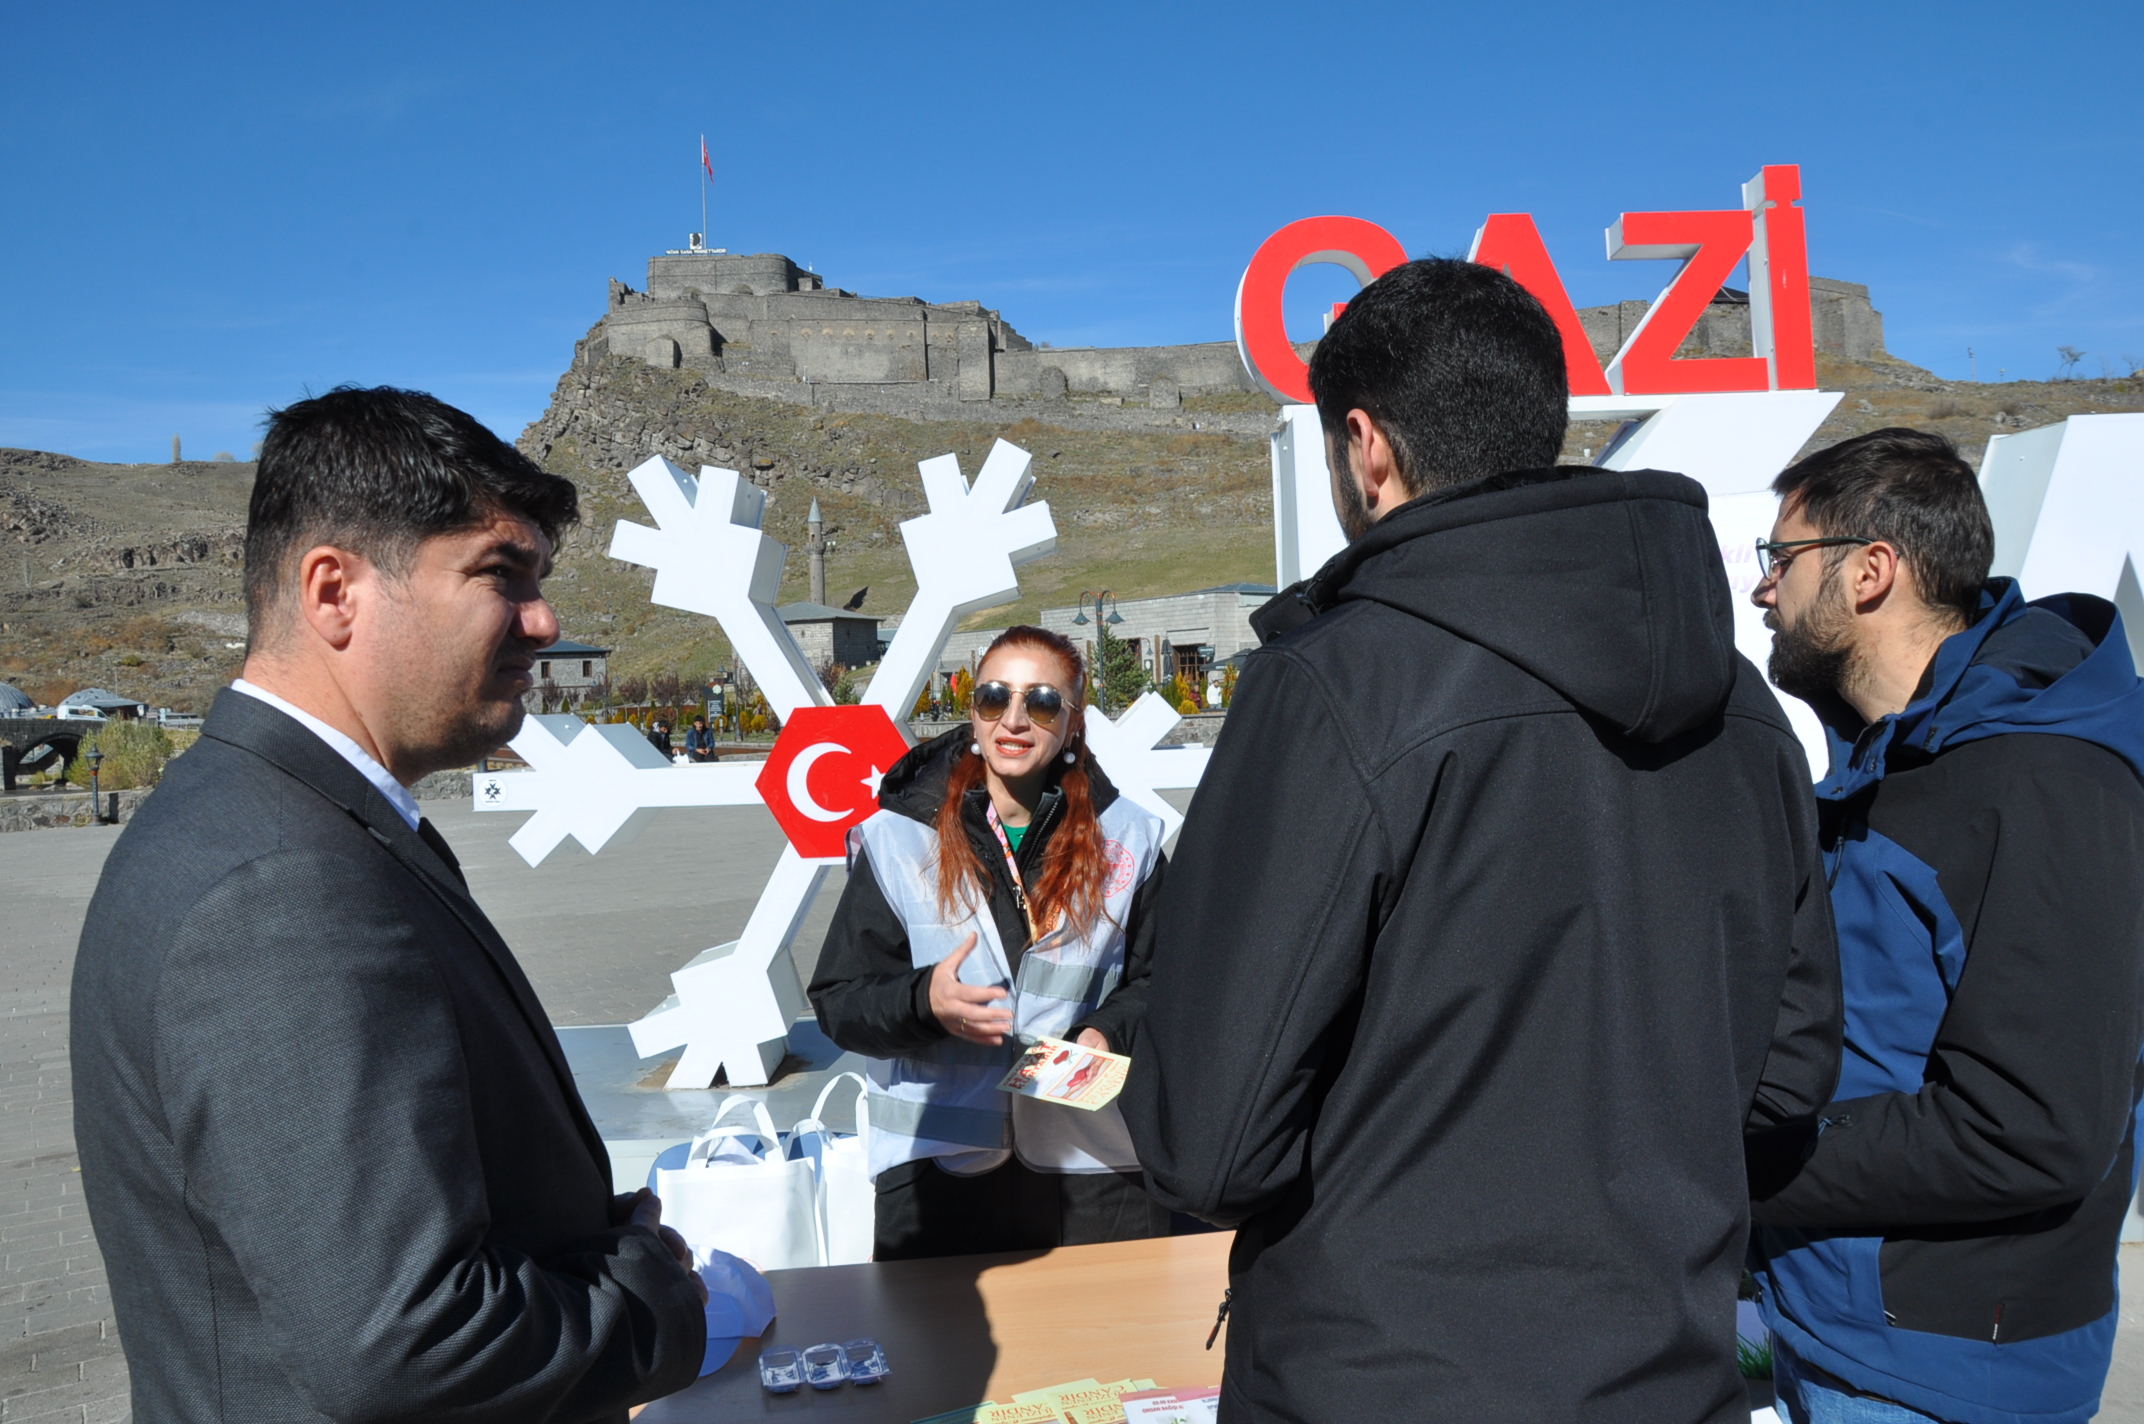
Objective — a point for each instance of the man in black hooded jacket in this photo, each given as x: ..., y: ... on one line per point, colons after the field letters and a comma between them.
x: 1497, y: 919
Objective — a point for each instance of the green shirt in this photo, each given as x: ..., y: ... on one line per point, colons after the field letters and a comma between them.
x: 1014, y: 835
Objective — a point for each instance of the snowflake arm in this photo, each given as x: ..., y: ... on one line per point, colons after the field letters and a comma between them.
x: 964, y: 553
x: 710, y: 556
x: 1136, y: 765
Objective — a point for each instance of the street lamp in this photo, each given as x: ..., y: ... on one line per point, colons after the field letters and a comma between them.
x: 96, y: 786
x: 1105, y: 614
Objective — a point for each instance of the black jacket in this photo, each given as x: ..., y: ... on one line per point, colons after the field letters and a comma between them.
x: 1970, y: 1184
x: 332, y: 1150
x: 1498, y: 914
x: 870, y: 997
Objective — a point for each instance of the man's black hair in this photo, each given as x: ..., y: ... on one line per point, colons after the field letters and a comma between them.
x: 376, y: 471
x: 1910, y: 489
x: 1458, y: 364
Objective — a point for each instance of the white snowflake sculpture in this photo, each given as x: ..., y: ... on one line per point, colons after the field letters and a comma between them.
x: 733, y: 1004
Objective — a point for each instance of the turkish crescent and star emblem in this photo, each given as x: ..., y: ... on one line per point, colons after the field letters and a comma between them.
x: 823, y: 776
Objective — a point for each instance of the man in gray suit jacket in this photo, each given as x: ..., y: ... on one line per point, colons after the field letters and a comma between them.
x: 331, y: 1148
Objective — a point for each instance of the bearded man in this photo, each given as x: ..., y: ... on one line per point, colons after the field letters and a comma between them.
x: 332, y: 1150
x: 1943, y: 1247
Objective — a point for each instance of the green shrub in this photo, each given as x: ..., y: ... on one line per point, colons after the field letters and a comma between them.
x: 134, y: 755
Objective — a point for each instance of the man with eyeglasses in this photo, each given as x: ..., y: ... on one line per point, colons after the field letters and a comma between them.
x: 1941, y: 1245
x: 1497, y: 915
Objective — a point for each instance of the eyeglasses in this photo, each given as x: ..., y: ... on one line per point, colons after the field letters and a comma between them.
x: 1045, y: 704
x: 1769, y: 550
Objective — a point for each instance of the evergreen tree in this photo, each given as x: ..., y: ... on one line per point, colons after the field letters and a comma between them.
x: 1121, y: 677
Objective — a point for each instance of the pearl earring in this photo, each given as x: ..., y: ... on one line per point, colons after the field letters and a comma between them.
x: 1070, y: 756
x: 975, y: 748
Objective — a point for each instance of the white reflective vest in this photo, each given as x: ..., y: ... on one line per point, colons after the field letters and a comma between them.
x: 943, y: 1101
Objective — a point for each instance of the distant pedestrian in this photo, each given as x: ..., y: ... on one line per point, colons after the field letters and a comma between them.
x: 700, y: 742
x: 659, y: 737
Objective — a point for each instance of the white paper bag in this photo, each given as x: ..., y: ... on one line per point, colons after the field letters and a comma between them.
x: 847, y: 1203
x: 750, y: 1202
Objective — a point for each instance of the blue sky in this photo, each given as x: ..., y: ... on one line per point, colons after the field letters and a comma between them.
x: 209, y: 210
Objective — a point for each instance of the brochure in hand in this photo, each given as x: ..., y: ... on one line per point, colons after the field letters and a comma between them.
x: 1060, y: 1072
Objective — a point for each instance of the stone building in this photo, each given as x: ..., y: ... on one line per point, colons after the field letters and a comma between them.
x: 763, y: 316
x: 1178, y: 635
x: 760, y: 318
x: 572, y: 665
x: 96, y: 702
x: 1845, y: 323
x: 833, y: 635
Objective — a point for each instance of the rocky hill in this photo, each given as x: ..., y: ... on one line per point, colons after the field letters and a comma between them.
x: 127, y: 576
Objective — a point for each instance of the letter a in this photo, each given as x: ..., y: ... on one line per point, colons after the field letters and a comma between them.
x: 1512, y: 244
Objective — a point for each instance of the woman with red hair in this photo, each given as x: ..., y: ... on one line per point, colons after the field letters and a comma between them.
x: 1003, y: 892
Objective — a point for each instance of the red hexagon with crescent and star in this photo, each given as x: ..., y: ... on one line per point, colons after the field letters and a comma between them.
x: 823, y: 776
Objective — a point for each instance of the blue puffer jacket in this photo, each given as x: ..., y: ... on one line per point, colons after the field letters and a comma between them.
x: 1949, y: 1240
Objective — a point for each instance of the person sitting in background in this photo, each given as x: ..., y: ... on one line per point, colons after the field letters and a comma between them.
x: 700, y: 742
x: 1944, y: 1246
x: 1002, y: 892
x: 659, y: 737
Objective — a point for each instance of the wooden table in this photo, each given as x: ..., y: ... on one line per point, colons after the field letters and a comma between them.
x: 963, y: 1329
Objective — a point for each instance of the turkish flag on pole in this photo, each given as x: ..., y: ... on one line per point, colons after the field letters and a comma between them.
x: 705, y: 162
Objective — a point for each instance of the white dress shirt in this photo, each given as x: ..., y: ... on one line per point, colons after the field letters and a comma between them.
x: 396, y: 793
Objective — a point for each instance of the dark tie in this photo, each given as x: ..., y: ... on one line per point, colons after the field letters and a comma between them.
x: 429, y: 834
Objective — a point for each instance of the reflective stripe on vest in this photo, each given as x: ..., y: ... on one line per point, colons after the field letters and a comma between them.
x: 944, y: 1099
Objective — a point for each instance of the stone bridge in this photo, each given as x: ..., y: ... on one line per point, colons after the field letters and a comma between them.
x: 31, y: 743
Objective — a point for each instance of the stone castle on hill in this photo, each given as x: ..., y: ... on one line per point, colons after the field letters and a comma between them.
x: 760, y: 323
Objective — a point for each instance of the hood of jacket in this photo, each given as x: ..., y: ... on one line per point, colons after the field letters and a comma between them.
x: 1605, y: 584
x: 2059, y: 664
x: 916, y: 785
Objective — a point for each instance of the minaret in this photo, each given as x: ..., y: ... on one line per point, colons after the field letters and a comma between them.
x: 816, y: 547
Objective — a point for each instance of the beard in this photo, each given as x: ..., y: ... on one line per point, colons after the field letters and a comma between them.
x: 1348, y: 503
x: 1810, y: 655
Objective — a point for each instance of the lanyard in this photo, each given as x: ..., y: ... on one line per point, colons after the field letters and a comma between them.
x: 1012, y: 864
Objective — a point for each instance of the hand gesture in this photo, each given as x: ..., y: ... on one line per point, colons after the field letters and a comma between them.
x: 964, y: 1009
x: 648, y: 1212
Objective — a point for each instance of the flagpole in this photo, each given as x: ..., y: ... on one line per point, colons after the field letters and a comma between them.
x: 703, y: 190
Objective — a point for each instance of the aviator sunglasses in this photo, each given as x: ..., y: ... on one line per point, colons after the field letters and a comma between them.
x: 1045, y: 704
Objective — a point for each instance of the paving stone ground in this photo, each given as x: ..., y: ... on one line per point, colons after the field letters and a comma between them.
x: 599, y: 937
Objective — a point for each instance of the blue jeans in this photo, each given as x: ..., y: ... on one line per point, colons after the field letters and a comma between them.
x: 1808, y: 1395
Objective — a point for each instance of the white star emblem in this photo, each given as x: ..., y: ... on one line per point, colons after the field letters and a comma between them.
x: 871, y: 782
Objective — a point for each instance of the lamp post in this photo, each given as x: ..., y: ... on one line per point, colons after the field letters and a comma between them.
x: 1105, y: 614
x: 96, y: 785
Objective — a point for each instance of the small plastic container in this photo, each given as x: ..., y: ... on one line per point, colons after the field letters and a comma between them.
x: 780, y: 1371
x: 866, y: 1361
x: 825, y: 1366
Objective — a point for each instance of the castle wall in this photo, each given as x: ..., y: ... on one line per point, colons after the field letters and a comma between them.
x: 661, y: 333
x: 1845, y: 320
x: 761, y: 318
x: 1845, y: 324
x: 756, y: 274
x: 1196, y: 369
